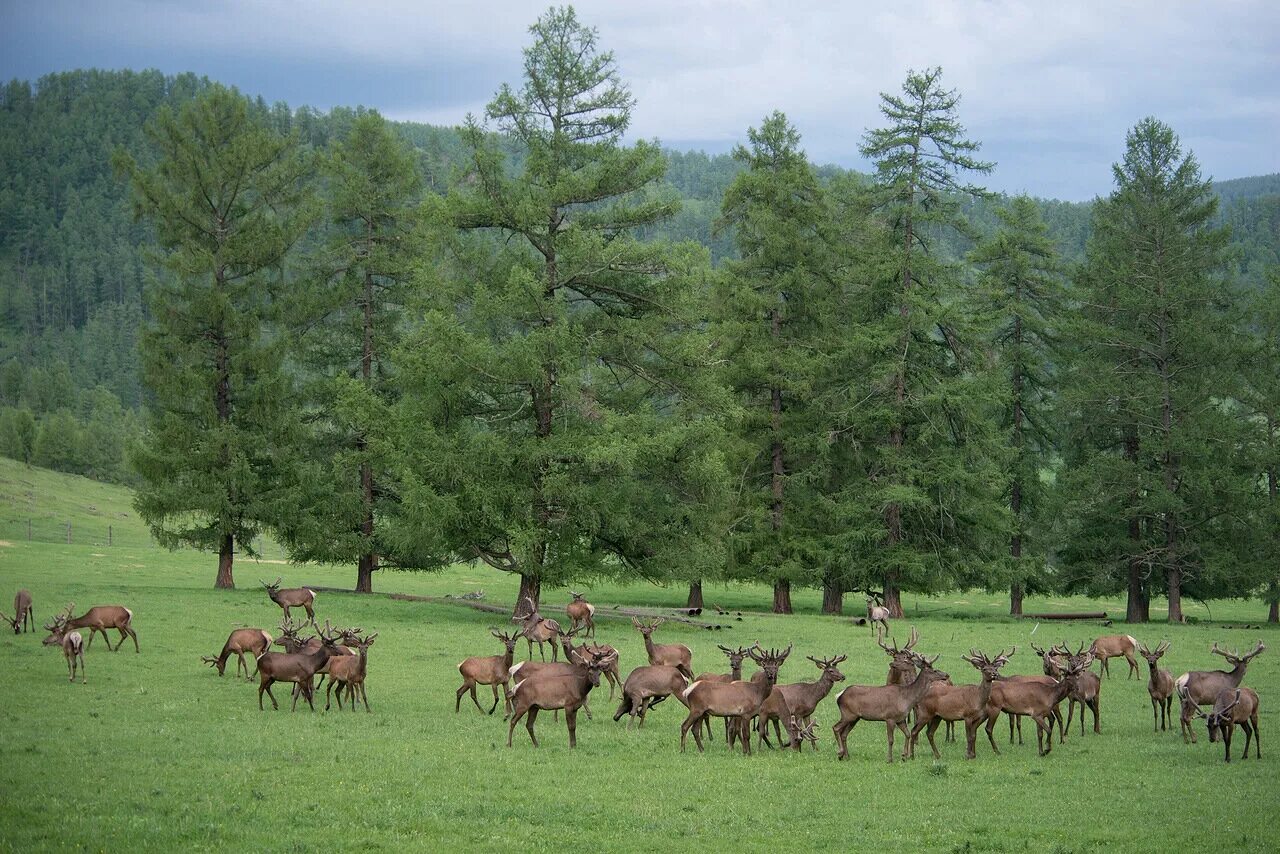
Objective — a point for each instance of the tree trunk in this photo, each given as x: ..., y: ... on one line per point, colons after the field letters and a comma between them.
x: 832, y: 596
x: 1273, y: 613
x: 695, y: 595
x: 1138, y: 606
x: 1175, y: 594
x: 368, y: 561
x: 364, y: 573
x: 1015, y: 599
x: 530, y: 588
x: 225, y: 553
x: 782, y: 596
x: 893, y: 596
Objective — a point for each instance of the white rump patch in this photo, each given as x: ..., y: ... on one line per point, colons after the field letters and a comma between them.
x: 518, y: 684
x: 591, y: 609
x: 1133, y: 641
x: 130, y: 613
x: 1181, y: 684
x: 516, y: 668
x: 687, y: 691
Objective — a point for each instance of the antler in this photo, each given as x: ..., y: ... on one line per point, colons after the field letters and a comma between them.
x: 915, y: 636
x: 1256, y: 651
x: 1219, y: 651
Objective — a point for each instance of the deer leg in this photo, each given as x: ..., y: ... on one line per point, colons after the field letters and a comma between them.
x: 542, y: 651
x: 890, y: 726
x: 494, y: 686
x: 744, y: 732
x: 1248, y: 736
x: 684, y: 726
x: 528, y: 724
x: 929, y: 727
x: 328, y: 693
x: 777, y: 731
x: 1095, y: 705
x: 992, y: 717
x: 1133, y: 666
x: 571, y: 721
x: 457, y: 704
x: 1227, y: 730
x: 1045, y: 726
x: 516, y: 715
x: 267, y: 687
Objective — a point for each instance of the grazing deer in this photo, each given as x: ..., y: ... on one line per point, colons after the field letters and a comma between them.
x: 582, y: 613
x: 555, y: 691
x: 491, y: 670
x: 738, y: 700
x: 802, y: 698
x: 72, y: 647
x: 100, y: 618
x: 292, y: 597
x: 253, y: 641
x: 672, y: 654
x: 888, y: 703
x: 1202, y: 687
x: 1114, y: 646
x: 349, y: 671
x: 954, y: 703
x: 647, y: 684
x: 535, y: 628
x: 610, y: 673
x: 1236, y: 706
x: 1086, y: 688
x: 1033, y: 698
x: 1160, y: 687
x: 296, y: 667
x: 877, y: 615
x: 22, y: 613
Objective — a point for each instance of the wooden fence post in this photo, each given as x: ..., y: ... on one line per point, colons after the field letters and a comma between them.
x: 68, y: 533
x: 108, y: 535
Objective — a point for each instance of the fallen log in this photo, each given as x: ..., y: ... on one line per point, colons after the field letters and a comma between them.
x: 615, y: 613
x: 1082, y: 615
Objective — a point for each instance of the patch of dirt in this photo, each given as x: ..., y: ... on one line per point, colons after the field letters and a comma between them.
x: 4, y: 544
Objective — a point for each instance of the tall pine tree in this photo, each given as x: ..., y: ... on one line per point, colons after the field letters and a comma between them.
x: 1262, y: 406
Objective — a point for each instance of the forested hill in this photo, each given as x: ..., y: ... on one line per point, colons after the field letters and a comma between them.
x: 72, y: 264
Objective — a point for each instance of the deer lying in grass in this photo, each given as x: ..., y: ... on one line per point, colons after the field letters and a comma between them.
x: 1202, y: 687
x: 535, y: 627
x: 22, y: 613
x: 802, y: 698
x: 645, y: 686
x: 1086, y: 687
x: 555, y: 691
x: 99, y: 618
x: 675, y: 655
x: 296, y: 667
x: 491, y: 670
x: 1035, y: 699
x: 253, y: 641
x: 1115, y: 646
x: 292, y: 597
x: 888, y: 703
x: 1235, y: 706
x: 1159, y: 686
x: 72, y: 647
x: 582, y: 613
x: 349, y: 671
x: 953, y: 703
x: 738, y: 700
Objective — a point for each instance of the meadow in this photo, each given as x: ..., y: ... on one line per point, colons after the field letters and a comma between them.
x: 156, y: 752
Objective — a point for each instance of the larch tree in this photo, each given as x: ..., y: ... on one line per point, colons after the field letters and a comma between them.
x: 1262, y: 407
x: 227, y: 199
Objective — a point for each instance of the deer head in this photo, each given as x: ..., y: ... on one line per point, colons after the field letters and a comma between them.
x: 577, y: 597
x: 508, y: 640
x: 273, y: 587
x: 736, y: 656
x: 828, y: 666
x: 1234, y: 657
x: 1153, y: 657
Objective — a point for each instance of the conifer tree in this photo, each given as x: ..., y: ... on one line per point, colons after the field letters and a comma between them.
x: 1262, y: 407
x: 227, y: 200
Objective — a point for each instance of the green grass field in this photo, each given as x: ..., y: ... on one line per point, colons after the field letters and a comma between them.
x: 156, y: 752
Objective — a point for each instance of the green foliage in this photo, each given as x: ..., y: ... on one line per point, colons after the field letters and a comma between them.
x: 17, y: 434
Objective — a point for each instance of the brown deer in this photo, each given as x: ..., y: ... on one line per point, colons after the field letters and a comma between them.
x: 610, y: 673
x: 491, y: 670
x: 1115, y: 646
x: 23, y: 615
x: 902, y: 669
x: 888, y: 703
x: 1160, y: 687
x: 555, y: 691
x: 582, y: 613
x: 1033, y: 698
x: 349, y: 671
x: 877, y: 615
x: 738, y: 700
x: 1202, y: 687
x: 253, y: 641
x: 736, y: 657
x: 72, y: 647
x: 522, y: 670
x: 290, y: 642
x: 675, y: 655
x: 802, y: 698
x: 292, y: 597
x: 1235, y: 706
x: 954, y: 703
x: 645, y: 687
x: 296, y: 667
x: 1086, y: 688
x: 100, y: 618
x: 535, y: 627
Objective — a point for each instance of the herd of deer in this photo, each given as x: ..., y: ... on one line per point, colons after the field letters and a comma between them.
x: 915, y: 692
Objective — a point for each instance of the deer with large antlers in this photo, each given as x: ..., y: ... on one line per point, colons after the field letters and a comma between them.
x: 349, y: 671
x: 802, y: 698
x: 99, y: 618
x: 1086, y: 687
x: 555, y: 691
x: 647, y: 685
x: 298, y: 668
x: 253, y: 641
x: 1235, y: 706
x: 1202, y: 687
x: 736, y: 658
x: 675, y: 655
x: 1034, y: 699
x: 537, y: 628
x: 888, y: 703
x: 582, y: 614
x: 1159, y: 686
x: 23, y: 615
x: 576, y: 656
x: 902, y: 669
x: 292, y: 597
x: 72, y: 646
x: 1055, y: 667
x: 955, y: 703
x: 491, y: 670
x: 738, y: 700
x: 1116, y: 646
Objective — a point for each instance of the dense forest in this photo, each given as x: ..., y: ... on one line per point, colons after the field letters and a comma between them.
x: 524, y: 342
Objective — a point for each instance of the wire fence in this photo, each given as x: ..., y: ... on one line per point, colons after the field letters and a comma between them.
x: 98, y: 533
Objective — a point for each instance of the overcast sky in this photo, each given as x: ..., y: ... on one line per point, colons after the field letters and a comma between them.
x: 1048, y: 88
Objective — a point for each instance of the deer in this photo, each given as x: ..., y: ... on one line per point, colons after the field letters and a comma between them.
x: 290, y: 642
x: 646, y: 684
x: 1114, y: 646
x: 555, y: 691
x: 1054, y: 669
x: 675, y: 655
x: 99, y: 618
x: 802, y: 698
x: 491, y: 670
x: 954, y: 703
x: 348, y: 671
x: 739, y: 700
x: 582, y: 613
x: 528, y: 669
x: 902, y: 669
x: 1086, y: 688
x: 1202, y: 687
x: 536, y: 628
x: 1235, y: 706
x: 610, y: 673
x: 72, y: 647
x: 888, y: 703
x: 296, y: 667
x: 22, y: 613
x: 1033, y: 698
x: 736, y: 657
x: 292, y: 597
x: 1160, y: 687
x: 877, y: 615
x: 253, y: 641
